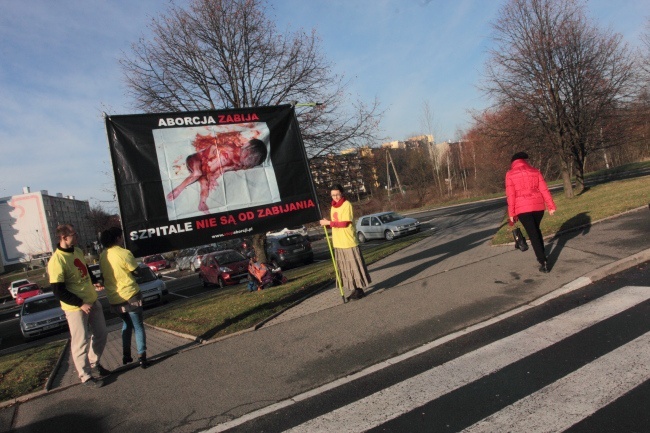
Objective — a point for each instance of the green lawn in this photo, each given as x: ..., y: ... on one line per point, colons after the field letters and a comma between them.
x: 27, y: 371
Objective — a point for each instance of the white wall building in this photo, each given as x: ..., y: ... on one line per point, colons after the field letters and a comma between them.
x: 28, y: 224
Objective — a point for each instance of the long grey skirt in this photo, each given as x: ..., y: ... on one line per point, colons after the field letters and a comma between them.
x: 353, y: 270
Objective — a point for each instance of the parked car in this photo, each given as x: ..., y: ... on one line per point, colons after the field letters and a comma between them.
x: 40, y: 315
x: 94, y: 269
x: 153, y: 288
x: 195, y: 263
x: 222, y: 268
x: 288, y: 249
x: 27, y: 291
x: 301, y: 230
x: 13, y: 287
x: 387, y: 225
x: 184, y: 257
x: 156, y: 262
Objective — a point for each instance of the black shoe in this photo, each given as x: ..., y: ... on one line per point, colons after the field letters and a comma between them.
x: 360, y: 293
x: 544, y: 267
x: 100, y: 371
x: 93, y: 383
x: 126, y: 359
x: 142, y: 359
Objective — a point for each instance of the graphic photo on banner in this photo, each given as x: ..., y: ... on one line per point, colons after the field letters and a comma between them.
x: 213, y: 169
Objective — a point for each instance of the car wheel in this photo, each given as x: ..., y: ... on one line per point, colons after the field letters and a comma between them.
x: 221, y: 283
x: 205, y: 282
x: 361, y: 237
x: 192, y: 268
x: 389, y: 235
x: 275, y: 264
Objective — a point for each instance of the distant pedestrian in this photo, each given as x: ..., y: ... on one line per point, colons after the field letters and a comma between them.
x: 72, y: 284
x: 528, y: 196
x: 354, y: 273
x: 119, y: 268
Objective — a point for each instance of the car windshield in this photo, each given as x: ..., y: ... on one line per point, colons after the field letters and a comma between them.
x: 19, y: 283
x: 40, y: 305
x: 390, y: 217
x: 206, y: 250
x: 229, y: 257
x: 156, y: 258
x: 29, y: 288
x: 145, y: 275
x: 291, y: 240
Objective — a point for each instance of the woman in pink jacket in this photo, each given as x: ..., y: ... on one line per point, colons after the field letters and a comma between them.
x: 528, y: 196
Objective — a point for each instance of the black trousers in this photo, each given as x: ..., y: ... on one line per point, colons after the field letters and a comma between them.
x: 531, y: 222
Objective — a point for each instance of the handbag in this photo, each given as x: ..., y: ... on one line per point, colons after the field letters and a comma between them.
x: 520, y: 240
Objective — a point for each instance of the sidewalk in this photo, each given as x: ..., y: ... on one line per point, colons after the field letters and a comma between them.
x: 445, y: 283
x: 159, y: 345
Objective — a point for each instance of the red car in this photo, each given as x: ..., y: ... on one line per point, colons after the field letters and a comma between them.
x: 156, y: 262
x: 27, y: 291
x: 223, y: 267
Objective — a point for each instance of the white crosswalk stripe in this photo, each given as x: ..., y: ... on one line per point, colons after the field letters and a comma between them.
x: 405, y: 396
x: 576, y: 396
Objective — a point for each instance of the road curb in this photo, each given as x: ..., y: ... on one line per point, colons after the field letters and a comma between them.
x: 619, y: 266
x: 50, y: 379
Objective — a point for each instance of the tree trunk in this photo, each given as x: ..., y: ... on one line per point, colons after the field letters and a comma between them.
x: 258, y: 246
x: 566, y: 179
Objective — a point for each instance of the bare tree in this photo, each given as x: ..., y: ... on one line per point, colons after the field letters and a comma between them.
x: 427, y: 122
x: 216, y: 54
x: 562, y: 72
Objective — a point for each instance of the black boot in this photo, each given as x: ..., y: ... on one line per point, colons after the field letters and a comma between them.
x: 360, y: 293
x: 543, y: 266
x: 126, y: 359
x: 353, y: 296
x: 143, y: 360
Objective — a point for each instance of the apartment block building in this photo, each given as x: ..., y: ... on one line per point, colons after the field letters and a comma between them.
x: 28, y: 224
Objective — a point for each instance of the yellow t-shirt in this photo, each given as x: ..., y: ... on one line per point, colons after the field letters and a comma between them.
x: 343, y: 237
x: 71, y: 269
x: 116, y: 264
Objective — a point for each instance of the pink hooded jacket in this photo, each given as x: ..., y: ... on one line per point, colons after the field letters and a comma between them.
x: 526, y: 190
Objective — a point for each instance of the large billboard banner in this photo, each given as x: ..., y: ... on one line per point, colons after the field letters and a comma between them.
x: 193, y: 178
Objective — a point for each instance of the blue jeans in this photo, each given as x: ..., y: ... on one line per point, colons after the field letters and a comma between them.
x: 133, y: 321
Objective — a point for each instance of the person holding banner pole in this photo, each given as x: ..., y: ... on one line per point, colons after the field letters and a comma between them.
x: 350, y: 263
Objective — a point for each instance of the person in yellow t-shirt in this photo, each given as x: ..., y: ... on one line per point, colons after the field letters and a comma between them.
x: 72, y: 284
x: 354, y: 273
x: 118, y: 267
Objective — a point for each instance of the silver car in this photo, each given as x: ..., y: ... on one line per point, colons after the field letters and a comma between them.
x: 386, y: 225
x: 153, y: 288
x: 195, y: 263
x: 41, y: 314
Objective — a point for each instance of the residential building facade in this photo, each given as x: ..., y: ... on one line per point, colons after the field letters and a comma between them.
x: 28, y: 224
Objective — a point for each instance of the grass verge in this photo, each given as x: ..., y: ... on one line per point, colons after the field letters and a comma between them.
x: 595, y: 203
x: 233, y: 309
x: 27, y: 371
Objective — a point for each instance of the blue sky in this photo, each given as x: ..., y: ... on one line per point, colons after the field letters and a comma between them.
x: 59, y: 71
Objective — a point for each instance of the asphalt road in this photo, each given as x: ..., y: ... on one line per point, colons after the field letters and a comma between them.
x: 469, y: 404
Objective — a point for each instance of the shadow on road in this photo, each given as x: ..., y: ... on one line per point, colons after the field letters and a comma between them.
x: 575, y: 226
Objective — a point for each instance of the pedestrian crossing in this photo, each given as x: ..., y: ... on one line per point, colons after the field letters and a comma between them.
x: 569, y: 398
